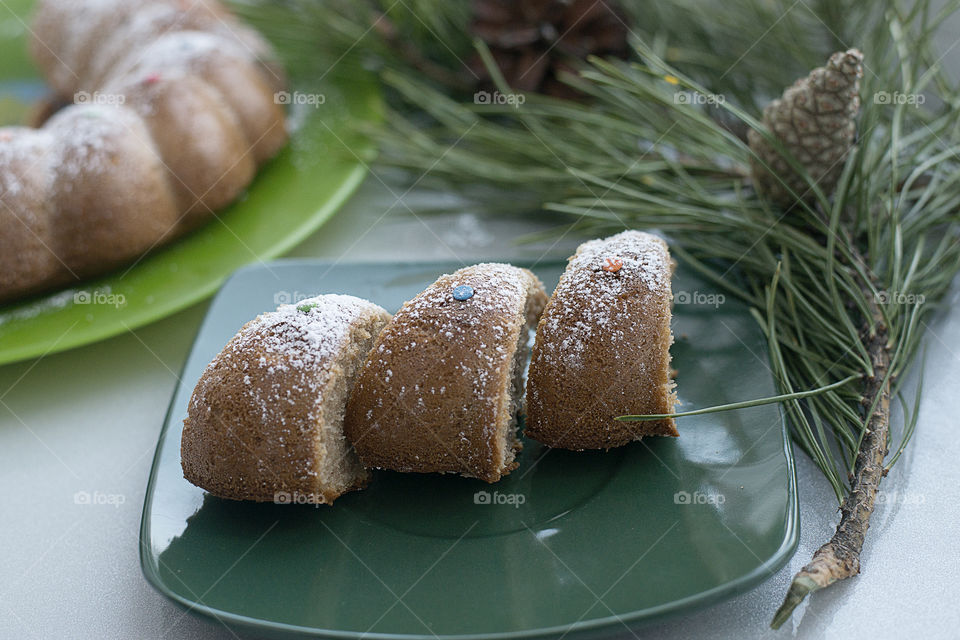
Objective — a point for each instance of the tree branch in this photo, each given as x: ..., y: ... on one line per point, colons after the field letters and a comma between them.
x: 839, y: 558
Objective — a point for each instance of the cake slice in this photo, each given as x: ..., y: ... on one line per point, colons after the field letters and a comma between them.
x: 265, y: 421
x: 442, y: 387
x: 603, y: 347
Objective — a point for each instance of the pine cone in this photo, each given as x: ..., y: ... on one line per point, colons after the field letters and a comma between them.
x: 815, y: 120
x: 532, y: 41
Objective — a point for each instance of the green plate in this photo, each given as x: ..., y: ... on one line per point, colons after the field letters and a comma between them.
x: 569, y: 543
x: 290, y: 197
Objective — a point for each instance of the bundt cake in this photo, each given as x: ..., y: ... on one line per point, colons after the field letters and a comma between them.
x: 603, y: 347
x: 173, y: 110
x: 265, y: 421
x: 441, y: 389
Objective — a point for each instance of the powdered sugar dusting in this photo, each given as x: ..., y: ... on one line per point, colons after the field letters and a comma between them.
x: 299, y: 344
x: 310, y: 332
x: 20, y: 149
x: 644, y: 257
x: 436, y: 390
x: 499, y: 291
x: 88, y: 137
x: 142, y: 27
x: 183, y: 51
x: 644, y: 270
x: 71, y: 28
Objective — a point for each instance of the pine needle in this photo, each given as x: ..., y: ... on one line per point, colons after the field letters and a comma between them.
x: 841, y: 285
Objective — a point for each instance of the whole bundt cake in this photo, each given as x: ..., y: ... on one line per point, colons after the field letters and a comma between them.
x: 173, y: 111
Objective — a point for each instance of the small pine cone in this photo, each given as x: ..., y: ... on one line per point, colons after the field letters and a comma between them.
x: 815, y: 120
x: 533, y: 41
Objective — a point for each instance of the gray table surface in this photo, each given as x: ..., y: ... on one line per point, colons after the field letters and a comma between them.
x: 88, y: 420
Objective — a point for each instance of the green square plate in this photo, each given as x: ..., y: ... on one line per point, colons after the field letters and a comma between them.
x: 569, y: 543
x: 290, y: 197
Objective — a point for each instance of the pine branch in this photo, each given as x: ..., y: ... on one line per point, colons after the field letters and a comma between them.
x: 841, y: 283
x: 839, y: 558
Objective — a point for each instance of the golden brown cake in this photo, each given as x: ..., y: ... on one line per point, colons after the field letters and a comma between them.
x: 225, y: 66
x: 106, y: 171
x: 171, y: 109
x: 441, y: 389
x: 208, y: 159
x: 603, y: 347
x: 265, y: 421
x: 26, y: 182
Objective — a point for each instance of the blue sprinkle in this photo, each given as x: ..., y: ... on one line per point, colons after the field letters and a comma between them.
x: 463, y: 292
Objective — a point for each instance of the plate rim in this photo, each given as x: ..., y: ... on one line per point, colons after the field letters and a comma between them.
x: 596, y: 626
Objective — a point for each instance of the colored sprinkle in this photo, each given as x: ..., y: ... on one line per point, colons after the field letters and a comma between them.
x: 613, y: 265
x: 306, y: 307
x: 152, y: 78
x: 672, y: 79
x: 463, y: 292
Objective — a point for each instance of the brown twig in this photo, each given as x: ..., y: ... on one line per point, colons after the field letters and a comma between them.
x: 839, y: 558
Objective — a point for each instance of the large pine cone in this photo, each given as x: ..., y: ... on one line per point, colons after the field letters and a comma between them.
x: 532, y: 41
x: 815, y: 120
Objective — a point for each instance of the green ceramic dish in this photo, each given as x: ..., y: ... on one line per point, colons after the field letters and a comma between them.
x: 570, y: 544
x: 290, y: 197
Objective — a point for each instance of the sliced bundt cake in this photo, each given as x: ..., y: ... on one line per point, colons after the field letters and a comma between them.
x: 265, y: 421
x: 603, y: 347
x: 441, y: 389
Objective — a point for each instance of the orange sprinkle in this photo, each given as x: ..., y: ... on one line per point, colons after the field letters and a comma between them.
x: 613, y: 265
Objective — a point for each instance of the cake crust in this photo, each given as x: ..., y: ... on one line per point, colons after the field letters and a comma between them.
x: 25, y: 186
x: 439, y: 391
x: 106, y: 168
x: 602, y: 347
x: 265, y: 419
